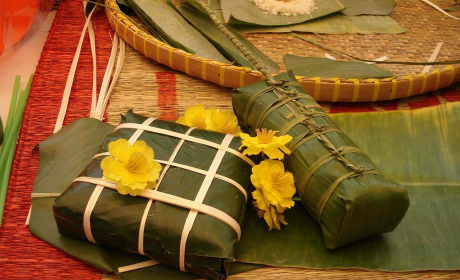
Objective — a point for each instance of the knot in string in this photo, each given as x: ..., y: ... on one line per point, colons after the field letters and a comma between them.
x: 358, y: 169
x: 320, y: 128
x: 291, y: 93
x: 273, y: 82
x: 336, y: 152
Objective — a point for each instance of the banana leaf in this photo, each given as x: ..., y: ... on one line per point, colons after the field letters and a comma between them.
x: 338, y: 184
x: 205, y: 25
x: 419, y: 149
x: 453, y: 8
x: 329, y: 68
x: 79, y: 141
x: 166, y: 24
x: 333, y: 24
x: 367, y: 7
x: 116, y: 218
x: 246, y: 12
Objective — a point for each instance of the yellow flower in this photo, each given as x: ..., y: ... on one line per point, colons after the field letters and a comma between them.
x: 276, y: 184
x: 210, y: 119
x: 132, y: 168
x: 266, y: 142
x: 271, y: 214
x: 274, y: 218
x: 223, y: 122
x: 195, y: 116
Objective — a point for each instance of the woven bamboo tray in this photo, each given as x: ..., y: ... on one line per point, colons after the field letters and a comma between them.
x: 415, y: 44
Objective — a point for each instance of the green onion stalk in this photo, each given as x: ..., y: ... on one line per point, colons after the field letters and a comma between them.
x: 17, y: 106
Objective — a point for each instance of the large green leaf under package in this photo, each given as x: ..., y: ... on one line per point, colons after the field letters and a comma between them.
x: 417, y: 148
x: 337, y: 182
x: 202, y: 193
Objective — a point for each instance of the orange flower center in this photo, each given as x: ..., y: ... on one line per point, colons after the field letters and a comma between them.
x: 137, y: 162
x: 198, y: 121
x: 264, y: 136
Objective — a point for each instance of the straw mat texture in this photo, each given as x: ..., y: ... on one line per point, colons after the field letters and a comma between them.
x: 426, y: 27
x: 23, y: 256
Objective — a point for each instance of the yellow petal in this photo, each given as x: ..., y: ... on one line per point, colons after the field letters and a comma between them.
x: 138, y: 185
x: 118, y: 168
x: 181, y: 120
x: 287, y: 203
x: 280, y: 218
x: 252, y: 150
x: 271, y: 198
x: 120, y: 149
x: 260, y: 199
x: 107, y: 162
x: 274, y: 223
x: 195, y: 116
x: 123, y: 189
x: 283, y: 140
x: 154, y: 172
x: 140, y: 176
x: 127, y: 179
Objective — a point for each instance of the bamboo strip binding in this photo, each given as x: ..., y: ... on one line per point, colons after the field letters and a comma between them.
x: 333, y: 90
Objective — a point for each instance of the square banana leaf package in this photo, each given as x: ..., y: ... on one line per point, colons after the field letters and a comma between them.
x: 191, y: 221
x: 337, y: 182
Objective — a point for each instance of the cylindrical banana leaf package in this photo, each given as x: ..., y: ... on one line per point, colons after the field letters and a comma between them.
x: 338, y: 184
x: 190, y: 221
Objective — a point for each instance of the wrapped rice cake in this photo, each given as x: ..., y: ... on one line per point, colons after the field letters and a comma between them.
x: 338, y: 184
x: 191, y: 221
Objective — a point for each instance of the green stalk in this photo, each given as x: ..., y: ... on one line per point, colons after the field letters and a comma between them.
x: 10, y: 143
x: 1, y: 133
x: 9, y: 122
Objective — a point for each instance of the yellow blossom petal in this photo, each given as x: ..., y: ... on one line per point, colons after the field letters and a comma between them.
x: 266, y: 142
x: 276, y: 184
x: 273, y: 219
x: 260, y: 200
x: 195, y: 116
x: 223, y: 122
x: 120, y: 149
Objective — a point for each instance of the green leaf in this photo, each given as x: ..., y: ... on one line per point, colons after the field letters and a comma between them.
x: 77, y: 150
x: 246, y: 12
x: 418, y: 149
x: 334, y: 24
x: 1, y: 132
x: 164, y: 22
x: 328, y: 68
x: 453, y: 8
x: 367, y: 7
x: 207, y: 27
